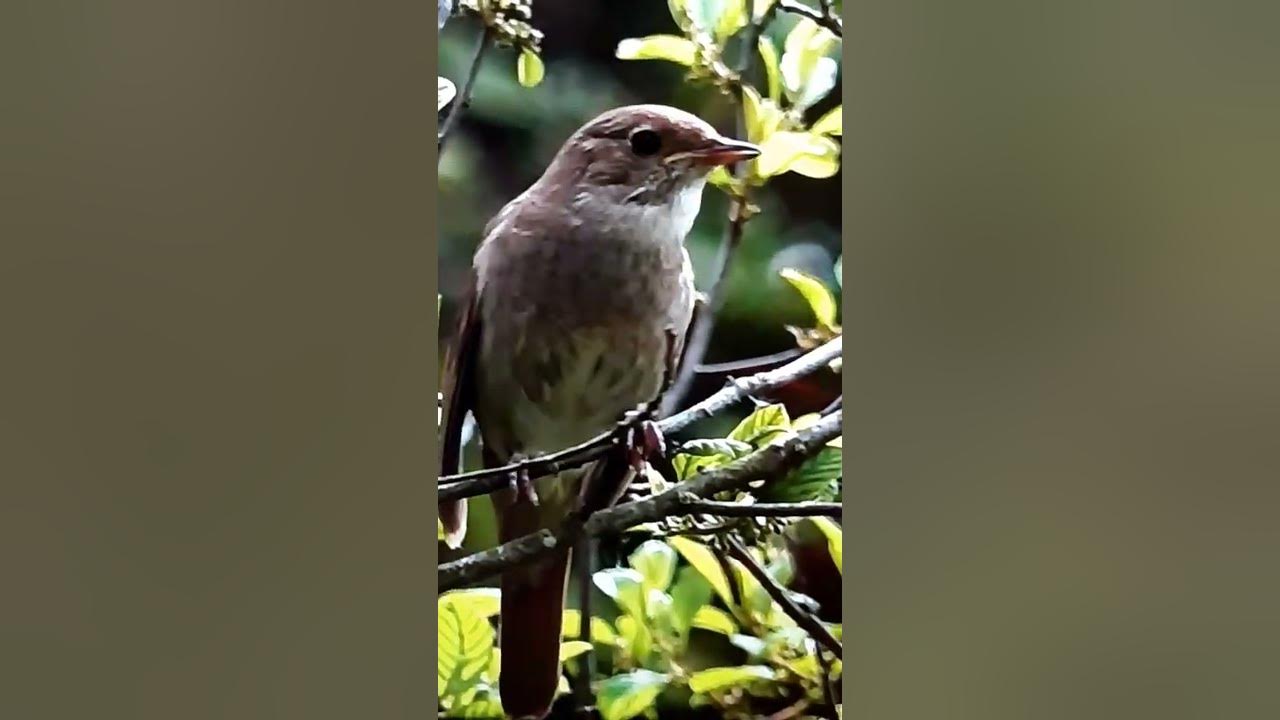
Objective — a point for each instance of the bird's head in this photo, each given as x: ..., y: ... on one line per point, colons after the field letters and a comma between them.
x: 645, y: 155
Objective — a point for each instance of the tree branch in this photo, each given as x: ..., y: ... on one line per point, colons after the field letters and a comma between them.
x: 811, y: 624
x: 825, y: 17
x: 768, y: 462
x: 693, y: 506
x: 753, y: 364
x: 481, y: 482
x: 464, y: 95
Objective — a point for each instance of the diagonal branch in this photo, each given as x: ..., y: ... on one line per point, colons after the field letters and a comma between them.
x: 481, y: 482
x: 767, y: 463
x: 804, y: 619
x: 464, y: 96
x: 826, y: 17
x: 694, y: 506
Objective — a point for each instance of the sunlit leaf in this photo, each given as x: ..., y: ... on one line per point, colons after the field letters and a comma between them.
x: 636, y: 638
x: 602, y: 632
x: 760, y: 7
x: 839, y: 271
x: 753, y: 646
x: 715, y: 620
x: 625, y: 586
x: 622, y: 697
x: 832, y: 123
x: 723, y: 677
x: 484, y: 601
x: 483, y: 704
x: 705, y: 562
x: 570, y: 623
x: 464, y: 642
x: 817, y: 479
x: 445, y: 93
x: 835, y: 540
x: 807, y: 73
x: 755, y: 599
x: 672, y: 48
x: 805, y: 153
x: 656, y: 563
x: 819, y: 298
x: 762, y: 116
x: 529, y: 70
x: 732, y: 17
x: 721, y: 178
x: 572, y: 649
x: 769, y: 56
x: 764, y: 425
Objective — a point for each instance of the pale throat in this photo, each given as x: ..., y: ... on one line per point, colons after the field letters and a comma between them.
x: 671, y: 220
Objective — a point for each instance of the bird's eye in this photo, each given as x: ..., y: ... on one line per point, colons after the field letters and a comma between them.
x: 645, y: 142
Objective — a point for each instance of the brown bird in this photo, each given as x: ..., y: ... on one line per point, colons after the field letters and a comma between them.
x: 580, y: 296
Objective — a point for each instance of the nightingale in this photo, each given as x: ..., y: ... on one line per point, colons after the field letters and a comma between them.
x: 579, y: 299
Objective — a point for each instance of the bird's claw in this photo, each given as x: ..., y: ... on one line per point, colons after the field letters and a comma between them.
x: 519, y: 483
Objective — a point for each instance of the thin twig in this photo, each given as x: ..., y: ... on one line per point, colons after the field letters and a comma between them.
x: 827, y: 681
x: 733, y: 509
x: 481, y: 482
x: 806, y: 620
x: 704, y: 321
x: 586, y: 665
x: 464, y: 96
x: 825, y: 17
x: 769, y: 462
x: 753, y: 364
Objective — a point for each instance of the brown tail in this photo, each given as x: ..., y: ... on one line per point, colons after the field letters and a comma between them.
x: 532, y: 609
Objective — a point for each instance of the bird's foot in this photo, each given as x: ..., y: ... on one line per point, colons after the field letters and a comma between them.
x: 520, y: 483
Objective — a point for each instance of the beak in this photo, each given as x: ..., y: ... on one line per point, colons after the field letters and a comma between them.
x: 721, y: 151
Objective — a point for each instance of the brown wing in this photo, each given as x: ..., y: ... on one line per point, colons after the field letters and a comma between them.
x: 459, y: 398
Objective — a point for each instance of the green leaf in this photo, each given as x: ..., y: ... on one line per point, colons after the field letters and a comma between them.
x: 818, y: 479
x: 464, y: 642
x: 760, y: 7
x: 762, y: 426
x: 570, y: 623
x: 484, y: 704
x: 622, y: 697
x: 656, y: 563
x: 572, y: 649
x: 689, y: 595
x: 721, y: 178
x: 715, y: 620
x: 636, y: 638
x: 723, y: 677
x: 807, y: 73
x: 820, y: 299
x: 698, y: 455
x: 704, y: 561
x: 439, y: 529
x: 529, y: 70
x: 485, y: 602
x: 625, y: 586
x: 732, y: 17
x: 839, y: 271
x: 755, y: 599
x: 831, y: 123
x: 672, y: 48
x: 602, y: 632
x: 753, y: 646
x: 769, y: 56
x: 835, y: 540
x: 762, y: 117
x: 816, y: 156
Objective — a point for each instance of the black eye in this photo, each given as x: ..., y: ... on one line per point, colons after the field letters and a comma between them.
x: 645, y: 142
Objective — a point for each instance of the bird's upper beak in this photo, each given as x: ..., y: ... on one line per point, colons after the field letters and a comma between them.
x: 721, y: 151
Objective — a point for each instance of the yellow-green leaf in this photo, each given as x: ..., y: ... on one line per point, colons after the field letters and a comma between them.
x: 763, y: 426
x: 835, y: 539
x: 760, y: 7
x: 723, y: 677
x: 572, y: 649
x: 484, y: 602
x: 623, y: 697
x: 769, y: 55
x: 715, y: 620
x: 832, y: 123
x: 721, y: 178
x: 762, y: 116
x: 807, y: 73
x: 704, y: 561
x: 656, y: 563
x: 658, y: 47
x: 529, y: 68
x: 820, y: 299
x: 783, y: 151
x: 570, y: 623
x: 464, y: 642
x: 733, y: 17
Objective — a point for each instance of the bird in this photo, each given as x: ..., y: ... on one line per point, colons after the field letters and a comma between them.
x: 578, y: 301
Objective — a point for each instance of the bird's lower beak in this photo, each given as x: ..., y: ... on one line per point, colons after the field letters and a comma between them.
x: 722, y: 152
